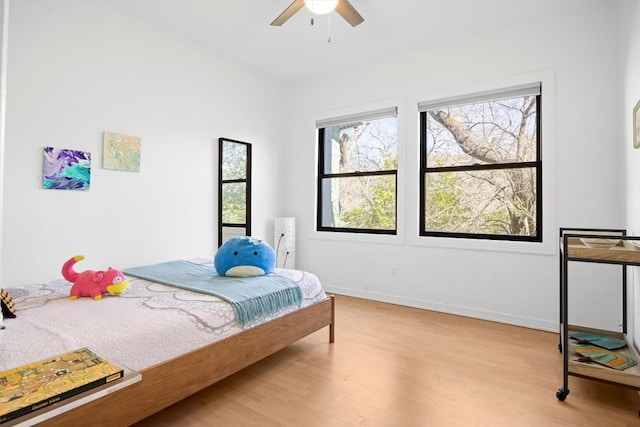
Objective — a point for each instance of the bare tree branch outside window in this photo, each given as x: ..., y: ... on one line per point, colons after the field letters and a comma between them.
x: 482, y: 166
x: 358, y: 176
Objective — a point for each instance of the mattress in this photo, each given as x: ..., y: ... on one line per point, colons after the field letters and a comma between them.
x: 146, y: 325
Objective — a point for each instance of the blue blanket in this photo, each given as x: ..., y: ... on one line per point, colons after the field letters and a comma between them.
x: 250, y: 297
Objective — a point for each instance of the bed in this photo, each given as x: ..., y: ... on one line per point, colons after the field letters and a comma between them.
x: 178, y: 340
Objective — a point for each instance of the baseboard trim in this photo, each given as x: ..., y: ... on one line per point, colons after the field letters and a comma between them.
x: 509, y: 319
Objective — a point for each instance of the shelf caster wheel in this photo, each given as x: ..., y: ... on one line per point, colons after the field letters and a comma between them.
x: 560, y: 348
x: 561, y: 394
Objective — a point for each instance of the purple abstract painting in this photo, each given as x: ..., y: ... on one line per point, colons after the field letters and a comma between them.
x: 66, y: 169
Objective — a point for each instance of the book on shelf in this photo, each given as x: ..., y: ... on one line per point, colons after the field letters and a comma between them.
x: 34, y: 386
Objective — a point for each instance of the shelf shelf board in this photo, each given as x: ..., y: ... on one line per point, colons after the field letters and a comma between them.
x: 629, y: 377
x: 623, y: 253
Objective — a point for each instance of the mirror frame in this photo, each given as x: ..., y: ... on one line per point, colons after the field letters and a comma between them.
x: 221, y: 182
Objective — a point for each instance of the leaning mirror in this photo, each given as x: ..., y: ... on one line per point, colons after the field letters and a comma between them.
x: 234, y: 189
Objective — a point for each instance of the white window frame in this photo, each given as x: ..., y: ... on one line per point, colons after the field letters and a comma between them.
x: 549, y: 244
x: 355, y: 111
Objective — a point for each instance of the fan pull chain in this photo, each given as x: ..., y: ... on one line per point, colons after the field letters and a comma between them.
x: 329, y: 38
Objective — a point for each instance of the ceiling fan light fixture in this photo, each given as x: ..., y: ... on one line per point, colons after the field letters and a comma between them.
x: 321, y: 7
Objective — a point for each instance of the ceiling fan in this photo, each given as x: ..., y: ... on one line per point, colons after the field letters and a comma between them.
x: 343, y: 7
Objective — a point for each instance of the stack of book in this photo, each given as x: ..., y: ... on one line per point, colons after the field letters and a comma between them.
x: 31, y: 387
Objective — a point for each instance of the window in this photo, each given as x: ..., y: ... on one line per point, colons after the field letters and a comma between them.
x: 357, y: 173
x: 234, y: 189
x: 481, y: 167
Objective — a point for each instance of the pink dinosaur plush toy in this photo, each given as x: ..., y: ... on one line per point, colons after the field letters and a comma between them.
x: 93, y: 283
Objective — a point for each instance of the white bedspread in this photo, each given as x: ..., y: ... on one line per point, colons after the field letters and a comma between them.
x: 146, y: 325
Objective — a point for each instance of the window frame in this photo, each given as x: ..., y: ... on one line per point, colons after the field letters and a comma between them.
x: 424, y: 169
x: 320, y: 130
x: 222, y: 182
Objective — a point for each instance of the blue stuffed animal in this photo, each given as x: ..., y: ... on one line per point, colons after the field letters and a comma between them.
x: 244, y: 257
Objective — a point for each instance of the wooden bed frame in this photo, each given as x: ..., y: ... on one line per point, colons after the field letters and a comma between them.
x: 169, y: 382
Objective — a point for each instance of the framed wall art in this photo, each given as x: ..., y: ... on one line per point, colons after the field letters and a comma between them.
x: 65, y: 169
x: 121, y: 152
x: 636, y: 126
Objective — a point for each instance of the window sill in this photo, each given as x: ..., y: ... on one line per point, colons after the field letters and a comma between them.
x: 389, y: 239
x: 547, y: 247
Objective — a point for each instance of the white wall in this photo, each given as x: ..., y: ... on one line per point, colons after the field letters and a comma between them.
x: 630, y: 55
x: 4, y: 31
x: 579, y: 50
x: 77, y: 69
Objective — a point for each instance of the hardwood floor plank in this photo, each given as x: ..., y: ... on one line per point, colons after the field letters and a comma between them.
x: 400, y: 366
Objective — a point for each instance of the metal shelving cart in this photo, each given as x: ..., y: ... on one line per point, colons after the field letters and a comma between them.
x: 605, y: 246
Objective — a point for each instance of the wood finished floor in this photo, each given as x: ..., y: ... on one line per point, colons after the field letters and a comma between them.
x: 398, y: 366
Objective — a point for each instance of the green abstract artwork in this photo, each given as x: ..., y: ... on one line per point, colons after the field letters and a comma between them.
x: 121, y: 152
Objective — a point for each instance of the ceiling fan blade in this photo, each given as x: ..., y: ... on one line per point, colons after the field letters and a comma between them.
x: 288, y: 12
x: 349, y: 13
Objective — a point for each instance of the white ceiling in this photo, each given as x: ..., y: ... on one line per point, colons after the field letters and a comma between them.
x: 240, y: 30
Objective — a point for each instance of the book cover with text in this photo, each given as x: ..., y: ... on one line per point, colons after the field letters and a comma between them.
x: 37, y: 385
